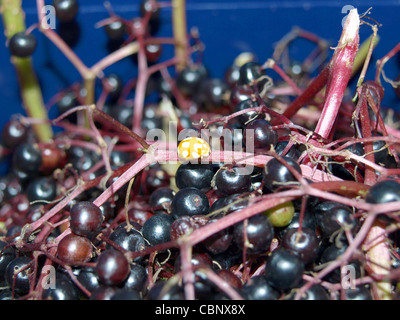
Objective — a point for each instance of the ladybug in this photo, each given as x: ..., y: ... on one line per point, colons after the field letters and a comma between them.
x: 193, y: 148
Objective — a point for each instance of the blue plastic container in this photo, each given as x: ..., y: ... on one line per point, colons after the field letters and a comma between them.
x: 226, y: 27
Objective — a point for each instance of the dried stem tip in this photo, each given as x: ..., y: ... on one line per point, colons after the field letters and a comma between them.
x: 341, y: 66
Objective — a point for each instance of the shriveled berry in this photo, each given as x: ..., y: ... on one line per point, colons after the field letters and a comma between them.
x: 185, y: 225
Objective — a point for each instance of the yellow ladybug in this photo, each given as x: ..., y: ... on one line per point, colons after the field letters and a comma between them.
x: 193, y: 148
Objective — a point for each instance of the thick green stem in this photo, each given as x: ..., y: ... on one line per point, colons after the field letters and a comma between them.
x: 180, y: 32
x: 14, y: 21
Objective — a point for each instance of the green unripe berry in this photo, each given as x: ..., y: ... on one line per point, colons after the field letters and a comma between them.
x: 281, y: 215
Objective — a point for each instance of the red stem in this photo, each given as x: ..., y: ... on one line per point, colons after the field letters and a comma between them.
x: 341, y: 67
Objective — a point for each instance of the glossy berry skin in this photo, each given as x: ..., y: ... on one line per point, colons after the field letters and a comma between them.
x: 359, y: 293
x: 284, y: 269
x: 293, y: 152
x: 20, y: 281
x: 229, y: 181
x: 52, y: 158
x: 331, y: 253
x: 129, y: 239
x: 189, y: 202
x: 240, y: 93
x: 156, y: 229
x: 231, y: 75
x: 89, y: 278
x: 259, y: 232
x: 228, y: 204
x: 103, y: 292
x: 383, y: 192
x: 190, y: 78
x: 220, y: 241
x: 42, y: 188
x: 230, y: 278
x: 277, y: 175
x: 161, y: 199
x: 63, y: 290
x: 194, y: 175
x: 136, y: 279
x: 5, y: 258
x: 153, y: 52
x: 304, y: 244
x: 337, y: 217
x: 14, y: 133
x: 156, y: 292
x: 85, y: 218
x: 114, y: 84
x: 22, y: 45
x: 112, y: 267
x: 213, y: 93
x: 74, y: 249
x: 247, y: 117
x: 115, y: 30
x: 66, y: 10
x: 259, y: 135
x: 125, y: 294
x: 257, y: 288
x: 27, y: 158
x: 249, y: 73
x: 316, y: 292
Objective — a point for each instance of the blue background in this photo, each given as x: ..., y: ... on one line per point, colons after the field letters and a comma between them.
x: 226, y: 27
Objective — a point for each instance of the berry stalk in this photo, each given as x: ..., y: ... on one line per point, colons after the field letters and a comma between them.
x: 14, y: 22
